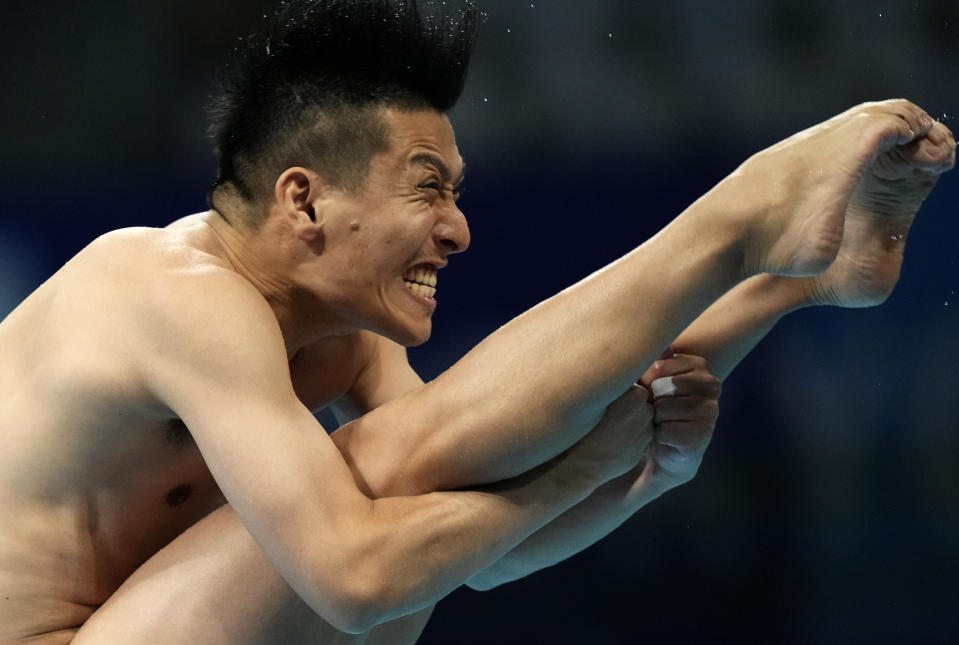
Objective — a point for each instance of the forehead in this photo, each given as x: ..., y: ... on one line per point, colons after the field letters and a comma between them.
x: 416, y: 137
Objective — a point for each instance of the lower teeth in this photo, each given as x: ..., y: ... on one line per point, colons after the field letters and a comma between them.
x: 421, y: 289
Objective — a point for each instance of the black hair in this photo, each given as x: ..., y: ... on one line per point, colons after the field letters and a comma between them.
x: 309, y: 88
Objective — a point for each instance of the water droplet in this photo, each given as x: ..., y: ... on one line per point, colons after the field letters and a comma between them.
x: 611, y: 35
x: 531, y: 5
x: 485, y: 100
x: 508, y: 30
x: 947, y: 303
x: 880, y: 14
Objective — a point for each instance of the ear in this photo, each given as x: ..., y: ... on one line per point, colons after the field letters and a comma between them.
x: 297, y: 192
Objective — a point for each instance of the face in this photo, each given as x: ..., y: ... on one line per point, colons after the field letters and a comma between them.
x: 384, y: 244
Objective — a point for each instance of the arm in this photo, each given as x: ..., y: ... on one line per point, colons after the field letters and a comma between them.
x: 220, y: 365
x: 340, y: 550
x: 681, y: 424
x: 683, y: 427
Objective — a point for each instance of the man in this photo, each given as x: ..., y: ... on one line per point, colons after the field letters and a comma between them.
x: 334, y: 208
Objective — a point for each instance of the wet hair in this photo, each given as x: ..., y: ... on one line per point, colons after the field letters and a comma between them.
x: 309, y: 89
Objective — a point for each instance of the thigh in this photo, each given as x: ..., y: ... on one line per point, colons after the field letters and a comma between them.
x: 214, y: 585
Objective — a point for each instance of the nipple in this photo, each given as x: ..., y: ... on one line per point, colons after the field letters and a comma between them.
x: 179, y: 495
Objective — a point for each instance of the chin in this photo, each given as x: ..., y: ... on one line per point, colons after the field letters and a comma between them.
x: 415, y: 340
x: 409, y: 335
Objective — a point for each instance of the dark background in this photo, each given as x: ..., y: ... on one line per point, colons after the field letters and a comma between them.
x: 827, y: 509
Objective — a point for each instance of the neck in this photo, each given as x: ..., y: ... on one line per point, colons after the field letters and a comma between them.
x: 265, y: 259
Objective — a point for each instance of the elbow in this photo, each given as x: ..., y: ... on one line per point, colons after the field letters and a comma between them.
x: 354, y: 609
x: 361, y: 602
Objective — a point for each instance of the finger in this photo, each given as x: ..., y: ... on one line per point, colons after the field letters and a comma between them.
x: 663, y: 386
x: 687, y: 438
x: 632, y: 406
x: 696, y: 382
x: 685, y: 408
x: 675, y: 364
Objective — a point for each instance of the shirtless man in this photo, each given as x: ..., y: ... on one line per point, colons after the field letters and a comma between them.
x: 300, y: 288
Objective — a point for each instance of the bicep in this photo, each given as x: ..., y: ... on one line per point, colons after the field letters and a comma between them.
x: 225, y: 375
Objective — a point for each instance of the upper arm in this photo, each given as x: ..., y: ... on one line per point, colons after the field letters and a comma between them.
x: 385, y: 374
x: 218, y: 362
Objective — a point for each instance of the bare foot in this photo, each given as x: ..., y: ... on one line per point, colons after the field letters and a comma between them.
x: 878, y: 219
x: 876, y: 159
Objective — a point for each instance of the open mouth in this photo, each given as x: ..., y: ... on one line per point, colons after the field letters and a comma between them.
x: 421, y: 280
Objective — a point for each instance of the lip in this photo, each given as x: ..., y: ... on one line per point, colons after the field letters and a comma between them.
x: 424, y: 301
x: 435, y: 265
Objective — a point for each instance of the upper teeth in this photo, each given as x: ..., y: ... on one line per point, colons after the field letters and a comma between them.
x: 422, y: 275
x: 421, y: 281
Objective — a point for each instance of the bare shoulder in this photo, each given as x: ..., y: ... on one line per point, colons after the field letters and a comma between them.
x: 198, y: 316
x: 154, y: 277
x: 141, y: 298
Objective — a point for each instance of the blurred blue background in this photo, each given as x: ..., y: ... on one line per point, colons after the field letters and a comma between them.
x: 827, y: 509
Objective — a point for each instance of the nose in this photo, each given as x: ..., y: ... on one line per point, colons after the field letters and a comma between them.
x: 452, y: 233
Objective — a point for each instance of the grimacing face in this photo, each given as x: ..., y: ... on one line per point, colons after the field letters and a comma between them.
x: 387, y: 241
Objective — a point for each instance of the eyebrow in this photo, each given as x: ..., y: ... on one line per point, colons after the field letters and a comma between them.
x: 426, y: 158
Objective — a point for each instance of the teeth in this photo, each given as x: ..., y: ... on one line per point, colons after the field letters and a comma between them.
x: 421, y: 289
x: 422, y: 275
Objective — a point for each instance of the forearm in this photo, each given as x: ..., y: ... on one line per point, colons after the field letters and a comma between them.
x: 576, y: 529
x: 412, y: 551
x: 729, y: 329
x: 539, y: 383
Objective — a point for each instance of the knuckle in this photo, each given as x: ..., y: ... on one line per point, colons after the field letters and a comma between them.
x: 715, y: 387
x: 712, y: 408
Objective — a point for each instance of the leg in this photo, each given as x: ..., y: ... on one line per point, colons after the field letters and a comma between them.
x: 213, y: 585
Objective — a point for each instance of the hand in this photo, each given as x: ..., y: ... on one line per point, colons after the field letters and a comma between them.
x: 620, y: 440
x: 874, y: 160
x: 878, y: 219
x: 685, y: 407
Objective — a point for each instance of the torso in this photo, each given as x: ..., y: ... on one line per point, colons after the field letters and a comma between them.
x: 95, y: 476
